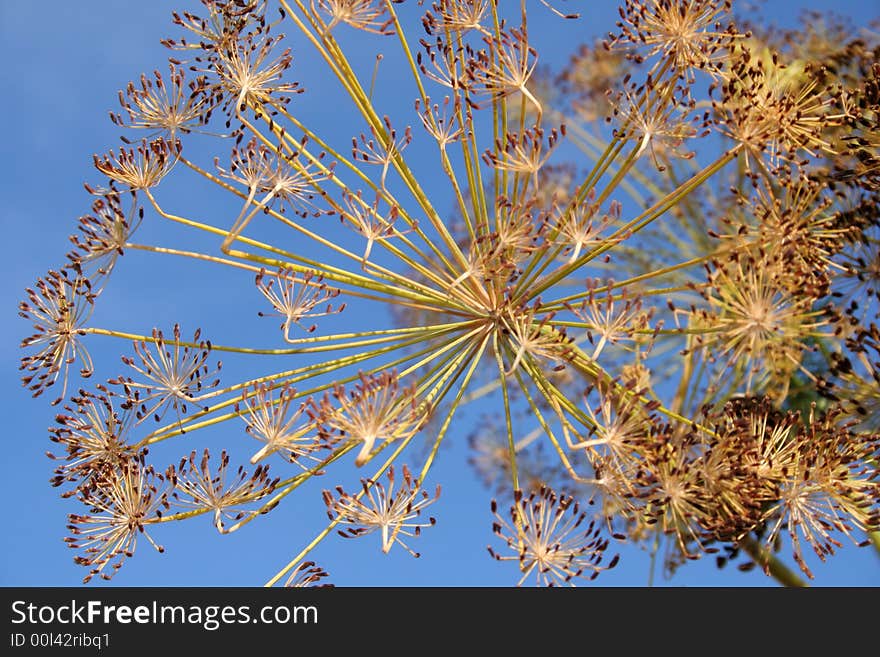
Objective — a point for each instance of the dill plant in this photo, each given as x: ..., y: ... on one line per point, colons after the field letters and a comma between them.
x: 648, y: 293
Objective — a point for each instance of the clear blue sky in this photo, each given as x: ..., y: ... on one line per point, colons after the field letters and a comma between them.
x: 64, y: 63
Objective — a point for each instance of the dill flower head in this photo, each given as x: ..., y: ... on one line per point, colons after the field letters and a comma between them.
x: 393, y: 513
x: 366, y: 15
x: 169, y: 375
x: 619, y: 426
x: 165, y: 108
x: 687, y: 34
x: 552, y: 539
x: 283, y: 424
x: 660, y: 130
x: 103, y: 236
x: 120, y: 507
x: 756, y: 323
x: 830, y: 487
x: 140, y: 168
x: 858, y: 286
x: 226, y: 21
x: 504, y: 66
x: 94, y: 434
x: 770, y: 113
x: 245, y: 78
x: 853, y: 380
x: 810, y: 477
x: 297, y: 300
x: 457, y: 15
x: 377, y: 410
x: 58, y: 309
x: 307, y: 574
x: 794, y: 220
x: 197, y: 486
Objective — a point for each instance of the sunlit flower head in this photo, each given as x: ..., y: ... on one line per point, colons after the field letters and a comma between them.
x: 552, y: 538
x: 121, y: 506
x: 58, y: 307
x: 394, y: 513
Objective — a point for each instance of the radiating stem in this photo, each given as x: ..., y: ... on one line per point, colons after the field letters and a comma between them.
x: 766, y: 559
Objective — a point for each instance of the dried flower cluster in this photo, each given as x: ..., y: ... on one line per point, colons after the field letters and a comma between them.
x: 658, y: 278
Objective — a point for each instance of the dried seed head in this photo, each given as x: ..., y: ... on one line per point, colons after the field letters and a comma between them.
x: 198, y: 486
x: 394, y: 513
x: 369, y: 222
x: 104, y: 234
x: 296, y: 300
x: 383, y: 149
x: 613, y: 317
x: 855, y: 380
x: 174, y: 373
x: 442, y: 124
x: 529, y: 338
x: 580, y: 226
x: 673, y: 488
x: 755, y: 325
x: 364, y: 15
x: 284, y: 425
x: 58, y: 307
x: 620, y: 422
x: 227, y: 21
x: 689, y: 34
x: 523, y: 153
x: 770, y: 114
x: 94, y: 436
x: 444, y: 60
x: 792, y: 220
x: 166, y: 109
x: 456, y: 16
x: 504, y: 68
x: 551, y: 539
x: 307, y: 574
x: 122, y: 504
x: 377, y: 410
x: 140, y: 168
x: 247, y: 79
x: 292, y: 178
x: 831, y: 486
x: 659, y: 126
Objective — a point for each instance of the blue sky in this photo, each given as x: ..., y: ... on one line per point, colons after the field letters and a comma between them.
x: 66, y: 62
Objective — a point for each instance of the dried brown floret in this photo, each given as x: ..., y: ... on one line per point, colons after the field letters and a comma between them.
x: 58, y: 307
x: 197, y: 486
x: 122, y: 504
x: 393, y: 513
x: 552, y: 539
x: 174, y: 373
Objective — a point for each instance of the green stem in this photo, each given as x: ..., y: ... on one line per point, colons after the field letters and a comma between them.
x: 773, y: 565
